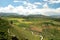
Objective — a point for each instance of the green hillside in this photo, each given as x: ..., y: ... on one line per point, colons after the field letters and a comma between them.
x: 30, y: 28
x: 4, y: 25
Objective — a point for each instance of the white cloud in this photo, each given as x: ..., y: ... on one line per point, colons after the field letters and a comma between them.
x: 30, y: 9
x: 55, y: 1
x: 9, y: 8
x: 37, y: 3
x: 24, y: 2
x: 16, y: 1
x: 29, y: 5
x: 52, y: 1
x: 45, y: 0
x: 45, y: 6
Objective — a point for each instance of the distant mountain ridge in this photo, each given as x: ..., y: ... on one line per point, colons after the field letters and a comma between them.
x: 15, y: 14
x: 31, y: 15
x: 8, y: 14
x: 55, y: 16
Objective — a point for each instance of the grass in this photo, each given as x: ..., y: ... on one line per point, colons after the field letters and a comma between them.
x: 21, y: 28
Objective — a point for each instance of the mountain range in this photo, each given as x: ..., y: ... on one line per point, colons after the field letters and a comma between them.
x: 35, y: 15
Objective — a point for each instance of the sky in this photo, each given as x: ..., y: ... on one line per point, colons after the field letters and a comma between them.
x: 26, y: 7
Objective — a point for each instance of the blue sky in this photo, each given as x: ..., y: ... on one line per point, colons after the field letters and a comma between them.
x: 4, y: 3
x: 21, y: 6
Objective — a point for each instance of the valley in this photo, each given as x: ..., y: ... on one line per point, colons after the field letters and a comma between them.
x: 30, y: 28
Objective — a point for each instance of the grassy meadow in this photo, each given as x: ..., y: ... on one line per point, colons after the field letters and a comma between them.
x: 29, y: 28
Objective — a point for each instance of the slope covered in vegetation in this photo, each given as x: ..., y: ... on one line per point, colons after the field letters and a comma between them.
x: 30, y: 28
x: 4, y: 25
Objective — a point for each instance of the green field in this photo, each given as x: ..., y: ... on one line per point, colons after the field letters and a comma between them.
x: 30, y: 28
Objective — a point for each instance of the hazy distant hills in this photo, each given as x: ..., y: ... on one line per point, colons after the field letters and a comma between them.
x: 35, y: 15
x: 55, y: 16
x: 8, y: 14
x: 15, y: 14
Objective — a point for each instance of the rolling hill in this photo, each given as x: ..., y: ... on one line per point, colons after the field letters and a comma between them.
x: 30, y: 27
